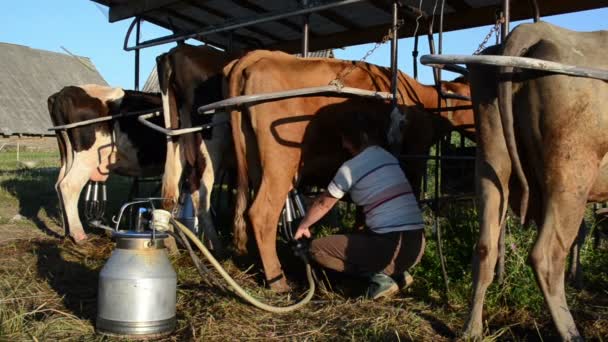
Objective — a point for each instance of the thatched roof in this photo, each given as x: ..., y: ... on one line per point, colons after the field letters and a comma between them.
x: 151, y: 84
x: 28, y: 77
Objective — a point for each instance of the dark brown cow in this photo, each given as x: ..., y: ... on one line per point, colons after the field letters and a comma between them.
x: 552, y: 129
x: 297, y: 136
x: 189, y: 77
x: 91, y: 152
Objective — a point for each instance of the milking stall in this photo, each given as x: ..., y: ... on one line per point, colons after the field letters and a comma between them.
x: 469, y: 144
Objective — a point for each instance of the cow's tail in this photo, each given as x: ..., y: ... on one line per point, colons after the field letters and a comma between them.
x: 233, y: 72
x: 170, y: 183
x: 517, y: 44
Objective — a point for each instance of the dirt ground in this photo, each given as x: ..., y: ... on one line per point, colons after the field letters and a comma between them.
x: 48, y: 290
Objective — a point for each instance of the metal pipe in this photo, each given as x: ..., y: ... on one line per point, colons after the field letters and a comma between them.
x: 518, y: 62
x: 535, y: 10
x: 232, y: 26
x: 87, y: 196
x: 105, y: 118
x: 137, y: 37
x: 504, y: 29
x: 394, y: 42
x: 429, y: 157
x: 289, y: 219
x: 299, y: 203
x: 305, y: 31
x: 334, y: 90
x: 95, y: 191
x: 173, y: 132
x: 104, y: 194
x: 415, y: 58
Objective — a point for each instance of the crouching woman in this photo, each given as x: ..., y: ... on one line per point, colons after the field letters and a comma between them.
x: 394, y: 239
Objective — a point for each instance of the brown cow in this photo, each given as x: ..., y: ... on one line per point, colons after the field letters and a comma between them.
x: 92, y: 152
x: 551, y: 128
x: 189, y: 77
x: 297, y: 135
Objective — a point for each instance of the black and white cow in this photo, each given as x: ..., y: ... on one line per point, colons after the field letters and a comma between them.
x: 91, y: 152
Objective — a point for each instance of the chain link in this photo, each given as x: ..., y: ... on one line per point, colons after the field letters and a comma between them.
x: 338, y: 80
x: 494, y: 30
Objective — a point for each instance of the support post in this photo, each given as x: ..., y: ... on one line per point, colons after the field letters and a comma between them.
x: 305, y: 31
x: 137, y: 37
x: 438, y: 148
x: 500, y: 266
x: 394, y: 42
x: 504, y: 27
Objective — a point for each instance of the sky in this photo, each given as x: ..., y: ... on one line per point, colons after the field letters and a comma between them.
x: 82, y: 28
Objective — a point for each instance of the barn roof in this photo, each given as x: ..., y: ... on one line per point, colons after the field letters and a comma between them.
x: 152, y: 85
x: 341, y: 22
x: 28, y: 77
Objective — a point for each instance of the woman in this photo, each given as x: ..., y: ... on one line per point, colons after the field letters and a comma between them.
x: 394, y: 240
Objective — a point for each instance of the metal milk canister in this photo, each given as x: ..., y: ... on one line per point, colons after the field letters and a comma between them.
x: 137, y: 287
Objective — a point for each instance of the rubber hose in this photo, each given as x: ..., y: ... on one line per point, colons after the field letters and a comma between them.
x: 239, y: 290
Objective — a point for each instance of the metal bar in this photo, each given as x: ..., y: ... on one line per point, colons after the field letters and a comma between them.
x: 429, y: 157
x: 305, y: 31
x: 137, y: 37
x: 102, y: 119
x: 317, y: 91
x: 223, y: 16
x: 415, y: 58
x: 232, y: 26
x: 173, y: 132
x: 453, y: 68
x: 506, y: 10
x: 518, y: 62
x: 394, y: 42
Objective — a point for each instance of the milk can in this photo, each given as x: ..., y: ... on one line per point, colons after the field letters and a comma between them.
x: 137, y: 287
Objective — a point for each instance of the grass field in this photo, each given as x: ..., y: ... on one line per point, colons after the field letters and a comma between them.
x: 48, y: 285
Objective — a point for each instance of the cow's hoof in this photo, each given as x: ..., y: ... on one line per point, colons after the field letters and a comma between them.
x: 280, y: 286
x: 79, y: 238
x: 469, y: 335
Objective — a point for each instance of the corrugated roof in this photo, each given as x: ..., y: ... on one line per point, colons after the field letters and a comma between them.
x: 355, y: 22
x: 28, y: 77
x: 151, y: 84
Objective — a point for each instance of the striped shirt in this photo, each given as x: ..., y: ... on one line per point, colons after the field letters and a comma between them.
x: 376, y: 182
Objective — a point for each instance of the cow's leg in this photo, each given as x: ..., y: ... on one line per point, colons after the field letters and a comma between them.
x: 563, y: 212
x: 264, y: 216
x: 492, y: 207
x: 493, y: 170
x: 63, y: 143
x: 174, y: 166
x: 575, y: 273
x: 205, y: 219
x: 71, y: 186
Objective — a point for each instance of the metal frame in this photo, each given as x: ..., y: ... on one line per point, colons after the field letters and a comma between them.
x: 272, y: 16
x: 334, y: 90
x: 175, y: 132
x: 519, y: 62
x: 103, y: 119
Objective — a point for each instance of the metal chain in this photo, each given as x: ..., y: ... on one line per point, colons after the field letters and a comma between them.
x: 338, y: 80
x: 494, y: 30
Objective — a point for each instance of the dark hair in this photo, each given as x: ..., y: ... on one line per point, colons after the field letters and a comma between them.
x: 359, y: 129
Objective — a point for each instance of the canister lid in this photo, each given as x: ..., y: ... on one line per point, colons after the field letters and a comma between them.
x: 132, y: 234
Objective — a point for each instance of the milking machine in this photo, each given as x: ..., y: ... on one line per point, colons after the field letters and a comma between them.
x: 138, y: 285
x: 292, y: 213
x: 95, y: 201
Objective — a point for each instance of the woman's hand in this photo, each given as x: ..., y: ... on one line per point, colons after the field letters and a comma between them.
x: 302, y: 231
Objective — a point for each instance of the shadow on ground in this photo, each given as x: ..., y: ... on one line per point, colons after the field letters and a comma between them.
x: 73, y: 281
x: 34, y: 190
